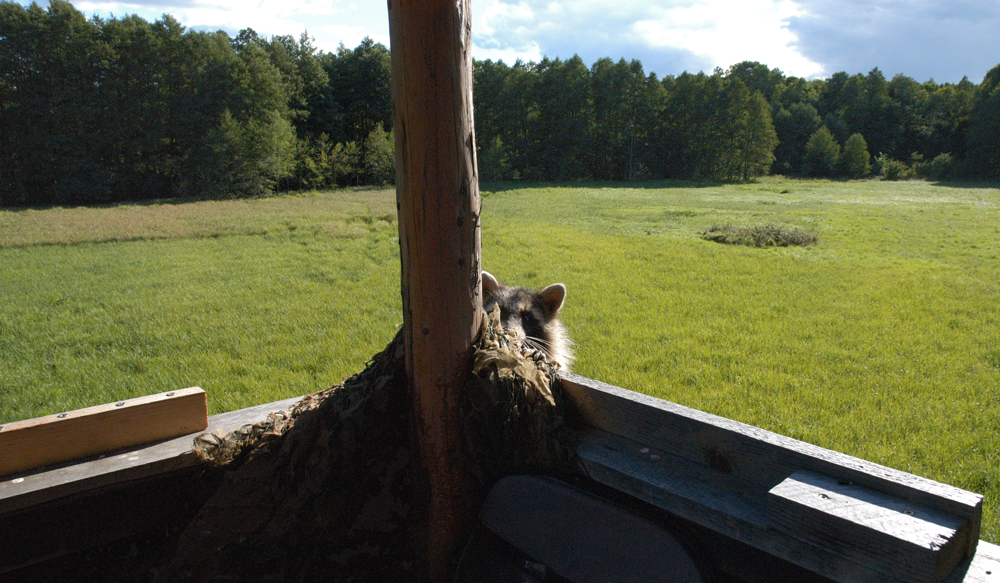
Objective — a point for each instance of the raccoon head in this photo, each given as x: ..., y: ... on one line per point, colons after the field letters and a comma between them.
x: 531, y: 315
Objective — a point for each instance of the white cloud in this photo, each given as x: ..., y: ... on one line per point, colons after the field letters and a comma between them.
x: 259, y: 19
x: 727, y: 32
x: 330, y: 36
x: 329, y: 22
x: 667, y: 36
x: 920, y: 38
x: 508, y: 55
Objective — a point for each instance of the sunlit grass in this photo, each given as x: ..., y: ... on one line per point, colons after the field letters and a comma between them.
x: 881, y: 341
x: 344, y: 214
x: 250, y: 318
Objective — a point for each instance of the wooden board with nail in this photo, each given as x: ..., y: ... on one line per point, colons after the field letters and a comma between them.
x: 34, y: 443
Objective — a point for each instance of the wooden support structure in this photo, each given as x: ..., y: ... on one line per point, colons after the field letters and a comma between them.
x: 439, y: 235
x: 838, y: 516
x: 64, y: 436
x: 903, y: 540
x: 829, y: 516
x: 754, y: 500
x: 74, y: 506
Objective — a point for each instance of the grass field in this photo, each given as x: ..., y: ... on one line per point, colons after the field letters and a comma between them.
x: 881, y: 341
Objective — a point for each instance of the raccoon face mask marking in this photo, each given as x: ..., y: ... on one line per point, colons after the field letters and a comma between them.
x: 532, y: 315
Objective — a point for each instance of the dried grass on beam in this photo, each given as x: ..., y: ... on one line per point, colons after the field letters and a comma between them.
x: 323, y: 492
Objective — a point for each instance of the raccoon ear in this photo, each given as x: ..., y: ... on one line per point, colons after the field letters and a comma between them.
x: 553, y: 297
x: 490, y: 284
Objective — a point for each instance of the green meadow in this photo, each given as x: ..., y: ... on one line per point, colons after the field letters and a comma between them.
x: 882, y: 340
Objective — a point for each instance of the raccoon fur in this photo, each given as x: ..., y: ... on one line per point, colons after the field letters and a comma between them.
x: 533, y: 316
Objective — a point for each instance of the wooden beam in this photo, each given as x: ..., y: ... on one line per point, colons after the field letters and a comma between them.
x: 721, y: 503
x: 983, y: 567
x: 898, y: 538
x: 52, y: 512
x: 56, y: 438
x: 438, y: 204
x: 717, y: 500
x: 760, y: 458
x: 723, y: 474
x: 41, y: 486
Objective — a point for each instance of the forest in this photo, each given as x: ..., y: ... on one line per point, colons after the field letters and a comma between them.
x: 108, y: 110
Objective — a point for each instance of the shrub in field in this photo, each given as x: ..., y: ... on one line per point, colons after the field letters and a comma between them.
x: 890, y: 169
x: 759, y: 236
x: 941, y: 167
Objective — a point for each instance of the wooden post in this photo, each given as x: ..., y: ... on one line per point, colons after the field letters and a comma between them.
x: 437, y: 195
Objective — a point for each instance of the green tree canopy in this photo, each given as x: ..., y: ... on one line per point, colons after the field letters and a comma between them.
x: 984, y: 127
x: 855, y: 159
x: 378, y: 157
x: 822, y: 153
x: 102, y: 110
x: 794, y: 126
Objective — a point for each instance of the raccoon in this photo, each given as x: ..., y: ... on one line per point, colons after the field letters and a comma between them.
x: 533, y: 316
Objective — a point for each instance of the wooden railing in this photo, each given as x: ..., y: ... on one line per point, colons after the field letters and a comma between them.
x: 838, y: 516
x: 826, y: 513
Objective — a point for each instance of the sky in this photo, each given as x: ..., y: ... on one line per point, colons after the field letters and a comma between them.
x: 942, y: 40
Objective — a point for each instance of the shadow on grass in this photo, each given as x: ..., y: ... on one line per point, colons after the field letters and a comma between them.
x: 179, y: 200
x: 503, y: 186
x: 966, y: 183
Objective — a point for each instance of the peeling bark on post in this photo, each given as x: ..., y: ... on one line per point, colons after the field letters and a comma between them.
x: 438, y: 203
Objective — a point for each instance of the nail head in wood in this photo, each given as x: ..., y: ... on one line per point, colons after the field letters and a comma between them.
x: 34, y: 443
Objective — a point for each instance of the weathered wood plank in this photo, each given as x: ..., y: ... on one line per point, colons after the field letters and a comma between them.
x: 716, y: 500
x: 696, y: 492
x: 56, y: 438
x: 892, y: 535
x: 983, y: 567
x: 27, y: 489
x: 760, y: 458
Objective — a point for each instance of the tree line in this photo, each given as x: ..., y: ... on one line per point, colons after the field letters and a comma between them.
x: 105, y: 110
x: 559, y: 120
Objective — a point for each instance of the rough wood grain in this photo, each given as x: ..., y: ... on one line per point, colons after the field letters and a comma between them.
x: 40, y: 486
x: 760, y: 458
x: 718, y: 501
x: 56, y: 438
x: 983, y: 567
x: 437, y: 193
x: 892, y: 535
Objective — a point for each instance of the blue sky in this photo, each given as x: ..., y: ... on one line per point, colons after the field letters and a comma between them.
x: 924, y: 39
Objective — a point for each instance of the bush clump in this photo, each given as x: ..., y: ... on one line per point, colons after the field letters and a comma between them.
x: 892, y: 169
x: 942, y: 167
x: 759, y: 236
